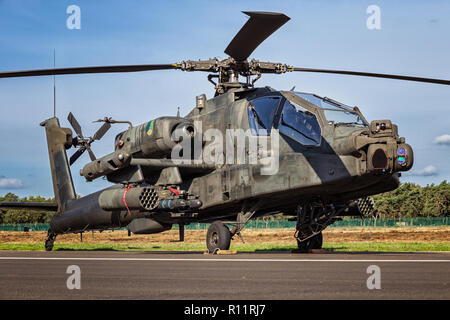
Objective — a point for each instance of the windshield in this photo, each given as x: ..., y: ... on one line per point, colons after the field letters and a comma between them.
x: 343, y: 117
x: 300, y: 124
x: 335, y: 112
x: 261, y: 113
x: 322, y: 102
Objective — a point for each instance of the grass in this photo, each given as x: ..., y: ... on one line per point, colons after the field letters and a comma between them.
x: 241, y: 247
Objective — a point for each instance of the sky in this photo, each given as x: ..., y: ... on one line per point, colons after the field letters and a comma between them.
x: 413, y: 39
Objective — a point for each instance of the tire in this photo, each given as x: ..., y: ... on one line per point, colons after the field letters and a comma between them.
x: 312, y: 243
x: 50, y: 241
x: 218, y: 237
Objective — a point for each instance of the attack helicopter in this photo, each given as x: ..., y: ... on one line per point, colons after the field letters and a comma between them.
x: 214, y: 165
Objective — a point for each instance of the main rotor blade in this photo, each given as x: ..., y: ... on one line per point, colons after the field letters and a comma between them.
x: 91, y: 154
x: 81, y: 70
x: 76, y: 155
x: 101, y: 132
x: 75, y: 125
x: 375, y: 75
x: 257, y: 29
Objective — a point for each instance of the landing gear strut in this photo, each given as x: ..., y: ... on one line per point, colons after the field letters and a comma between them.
x: 312, y: 218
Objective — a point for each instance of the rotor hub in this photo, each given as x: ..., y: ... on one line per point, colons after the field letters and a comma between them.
x: 227, y: 71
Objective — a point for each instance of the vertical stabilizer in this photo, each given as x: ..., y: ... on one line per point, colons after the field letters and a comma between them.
x: 58, y: 140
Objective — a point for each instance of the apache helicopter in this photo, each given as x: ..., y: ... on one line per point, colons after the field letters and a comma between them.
x: 330, y: 159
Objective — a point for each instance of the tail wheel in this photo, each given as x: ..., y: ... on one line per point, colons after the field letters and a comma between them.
x: 218, y: 237
x: 50, y: 241
x: 314, y: 242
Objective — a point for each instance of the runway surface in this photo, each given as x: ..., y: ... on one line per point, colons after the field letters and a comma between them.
x: 256, y: 276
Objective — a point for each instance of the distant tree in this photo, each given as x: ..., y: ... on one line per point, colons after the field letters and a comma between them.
x: 9, y: 197
x: 437, y: 200
x: 26, y: 216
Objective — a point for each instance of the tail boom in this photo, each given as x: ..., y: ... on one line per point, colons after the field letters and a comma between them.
x: 58, y: 140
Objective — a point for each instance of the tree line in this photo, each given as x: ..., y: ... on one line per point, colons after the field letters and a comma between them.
x: 408, y: 201
x: 25, y: 215
x: 411, y: 200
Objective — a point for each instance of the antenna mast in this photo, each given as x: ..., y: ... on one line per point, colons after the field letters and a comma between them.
x: 54, y: 85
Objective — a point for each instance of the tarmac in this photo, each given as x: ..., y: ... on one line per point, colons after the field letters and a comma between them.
x: 270, y: 275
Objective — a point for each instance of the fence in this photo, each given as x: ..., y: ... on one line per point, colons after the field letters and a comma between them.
x: 394, y: 222
x: 280, y: 224
x: 388, y: 222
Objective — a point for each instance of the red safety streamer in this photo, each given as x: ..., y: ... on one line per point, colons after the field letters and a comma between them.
x: 174, y: 191
x: 124, y: 201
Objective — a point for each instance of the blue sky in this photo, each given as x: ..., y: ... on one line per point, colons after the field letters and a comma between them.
x: 413, y: 40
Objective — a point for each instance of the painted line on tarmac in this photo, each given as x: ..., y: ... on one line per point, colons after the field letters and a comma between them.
x: 228, y: 260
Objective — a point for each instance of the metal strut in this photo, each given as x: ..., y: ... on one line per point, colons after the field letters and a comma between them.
x: 181, y: 231
x: 242, y: 218
x: 312, y: 218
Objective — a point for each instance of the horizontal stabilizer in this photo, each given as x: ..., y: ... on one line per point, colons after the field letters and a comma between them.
x: 50, y: 206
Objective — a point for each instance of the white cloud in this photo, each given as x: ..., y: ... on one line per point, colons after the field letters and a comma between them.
x: 428, y: 171
x: 444, y: 139
x: 10, y: 183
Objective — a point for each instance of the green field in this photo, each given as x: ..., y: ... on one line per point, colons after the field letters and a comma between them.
x: 200, y: 247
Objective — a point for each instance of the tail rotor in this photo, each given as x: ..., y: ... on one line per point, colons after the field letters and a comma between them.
x: 82, y: 142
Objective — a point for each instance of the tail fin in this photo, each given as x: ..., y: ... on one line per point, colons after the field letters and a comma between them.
x: 58, y: 140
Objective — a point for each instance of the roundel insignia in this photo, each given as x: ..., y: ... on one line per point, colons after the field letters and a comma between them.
x: 149, y: 128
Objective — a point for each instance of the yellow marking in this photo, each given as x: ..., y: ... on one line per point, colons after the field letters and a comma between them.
x: 221, y: 252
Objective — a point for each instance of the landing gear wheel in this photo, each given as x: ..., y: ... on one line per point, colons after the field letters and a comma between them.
x: 314, y: 242
x: 50, y: 241
x: 218, y: 237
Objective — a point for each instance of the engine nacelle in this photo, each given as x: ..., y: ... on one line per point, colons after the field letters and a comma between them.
x: 155, y: 139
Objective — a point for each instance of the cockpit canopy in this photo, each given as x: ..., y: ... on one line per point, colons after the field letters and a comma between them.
x: 299, y: 120
x: 335, y: 112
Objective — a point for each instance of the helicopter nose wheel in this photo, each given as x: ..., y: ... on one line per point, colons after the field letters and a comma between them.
x: 218, y: 237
